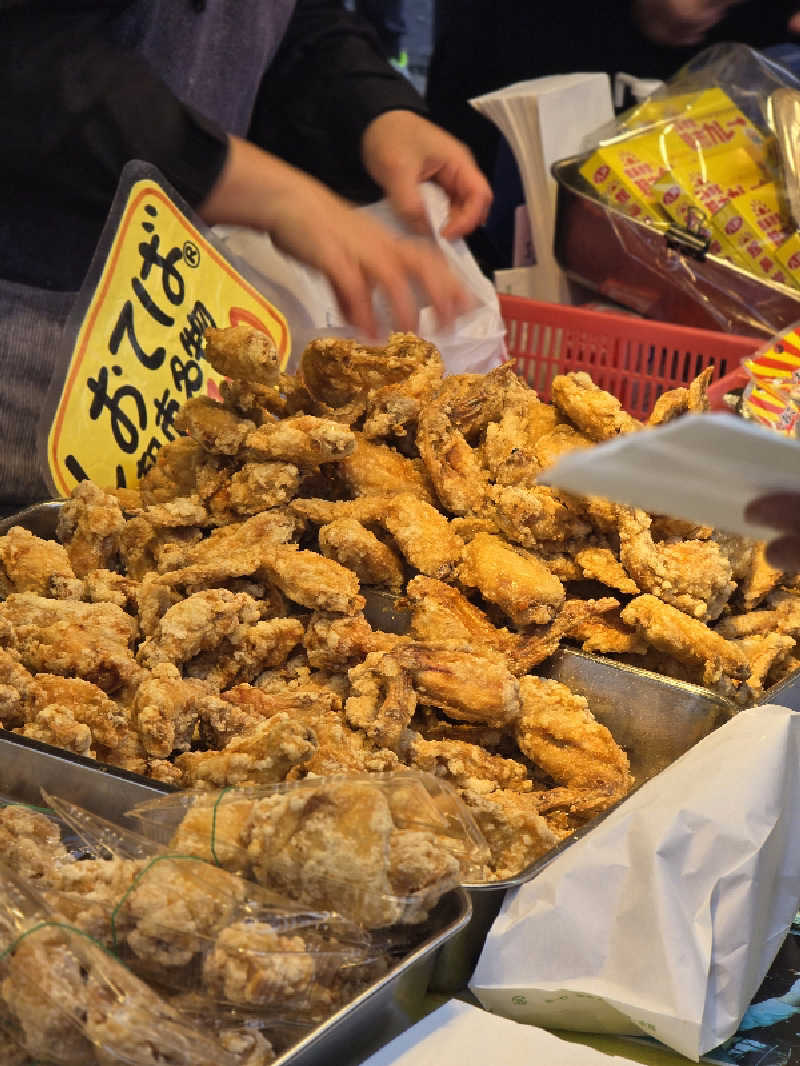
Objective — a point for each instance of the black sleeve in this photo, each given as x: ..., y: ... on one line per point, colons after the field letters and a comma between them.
x: 76, y: 108
x: 328, y: 81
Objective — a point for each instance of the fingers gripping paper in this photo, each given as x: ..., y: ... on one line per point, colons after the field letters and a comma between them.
x: 665, y: 918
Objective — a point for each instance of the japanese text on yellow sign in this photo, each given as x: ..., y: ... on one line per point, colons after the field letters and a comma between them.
x: 138, y: 355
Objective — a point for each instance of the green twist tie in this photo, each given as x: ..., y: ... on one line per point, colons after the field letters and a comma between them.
x: 12, y: 947
x: 135, y: 882
x: 213, y: 844
x: 29, y: 807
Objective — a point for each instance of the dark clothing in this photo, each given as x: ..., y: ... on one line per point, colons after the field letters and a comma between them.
x: 388, y: 19
x: 88, y: 86
x: 486, y: 44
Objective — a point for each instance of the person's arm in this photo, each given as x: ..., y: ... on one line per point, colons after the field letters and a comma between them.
x: 82, y: 108
x: 332, y: 105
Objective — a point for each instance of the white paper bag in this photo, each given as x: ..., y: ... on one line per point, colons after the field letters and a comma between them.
x: 666, y: 917
x: 475, y: 343
x: 544, y: 120
x: 704, y: 468
x: 460, y: 1035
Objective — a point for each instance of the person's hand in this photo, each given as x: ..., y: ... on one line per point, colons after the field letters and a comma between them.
x: 679, y: 22
x: 354, y: 251
x: 781, y: 512
x: 401, y: 149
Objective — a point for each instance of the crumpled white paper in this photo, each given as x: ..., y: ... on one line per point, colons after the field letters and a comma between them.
x: 475, y: 343
x: 666, y: 917
x: 460, y: 1035
x: 704, y: 468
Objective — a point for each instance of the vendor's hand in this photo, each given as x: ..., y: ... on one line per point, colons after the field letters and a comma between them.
x: 782, y: 513
x: 401, y: 149
x: 354, y: 251
x: 679, y: 22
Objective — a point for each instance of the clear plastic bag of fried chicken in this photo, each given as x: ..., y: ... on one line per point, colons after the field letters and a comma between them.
x: 65, y: 1000
x: 187, y: 925
x: 380, y: 848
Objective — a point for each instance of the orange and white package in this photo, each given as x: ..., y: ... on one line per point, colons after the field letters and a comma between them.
x: 772, y: 396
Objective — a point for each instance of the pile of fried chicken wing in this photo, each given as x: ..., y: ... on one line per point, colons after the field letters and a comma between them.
x: 212, y: 628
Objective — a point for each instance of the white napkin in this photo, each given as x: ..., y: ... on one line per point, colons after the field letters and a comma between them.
x: 704, y: 468
x: 665, y: 918
x: 460, y: 1035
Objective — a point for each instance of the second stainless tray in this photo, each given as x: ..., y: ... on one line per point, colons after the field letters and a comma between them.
x: 380, y: 1013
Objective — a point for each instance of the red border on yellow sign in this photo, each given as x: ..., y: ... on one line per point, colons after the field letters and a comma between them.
x: 152, y: 191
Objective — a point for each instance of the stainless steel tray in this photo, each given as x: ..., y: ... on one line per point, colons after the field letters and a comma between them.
x: 632, y: 264
x: 656, y: 720
x: 380, y: 1013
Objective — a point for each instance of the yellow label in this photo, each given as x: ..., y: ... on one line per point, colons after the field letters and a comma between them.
x: 138, y: 354
x: 699, y: 134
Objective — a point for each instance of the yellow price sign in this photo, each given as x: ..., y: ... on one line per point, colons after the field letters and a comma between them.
x: 138, y: 351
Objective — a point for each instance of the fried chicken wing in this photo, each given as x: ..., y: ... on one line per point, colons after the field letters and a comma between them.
x: 312, y: 580
x: 687, y: 639
x: 304, y: 440
x: 213, y: 426
x: 265, y: 755
x: 509, y: 448
x: 464, y: 683
x: 423, y: 535
x: 243, y: 352
x: 517, y: 834
x: 376, y: 470
x: 468, y: 766
x: 88, y: 526
x: 393, y: 410
x: 694, y: 576
x: 593, y: 410
x: 517, y: 581
x: 533, y: 516
x: 30, y: 564
x: 197, y: 624
x: 358, y: 549
x: 454, y: 468
x: 333, y: 642
x: 75, y: 639
x: 558, y: 732
x: 600, y: 564
x: 561, y: 440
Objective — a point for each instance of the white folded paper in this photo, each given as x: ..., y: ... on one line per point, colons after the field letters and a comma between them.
x: 666, y: 917
x: 460, y: 1035
x: 544, y: 120
x: 476, y: 341
x: 704, y: 468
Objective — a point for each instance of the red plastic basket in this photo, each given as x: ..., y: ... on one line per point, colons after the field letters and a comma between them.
x: 635, y: 359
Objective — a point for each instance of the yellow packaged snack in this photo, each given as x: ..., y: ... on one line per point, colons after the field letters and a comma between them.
x: 755, y: 226
x: 623, y: 173
x: 658, y: 111
x: 696, y: 189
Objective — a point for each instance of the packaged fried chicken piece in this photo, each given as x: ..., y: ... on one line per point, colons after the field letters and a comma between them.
x: 382, y: 849
x: 64, y: 999
x: 194, y: 927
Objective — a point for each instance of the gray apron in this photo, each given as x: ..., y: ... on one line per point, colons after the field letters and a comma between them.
x: 212, y: 59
